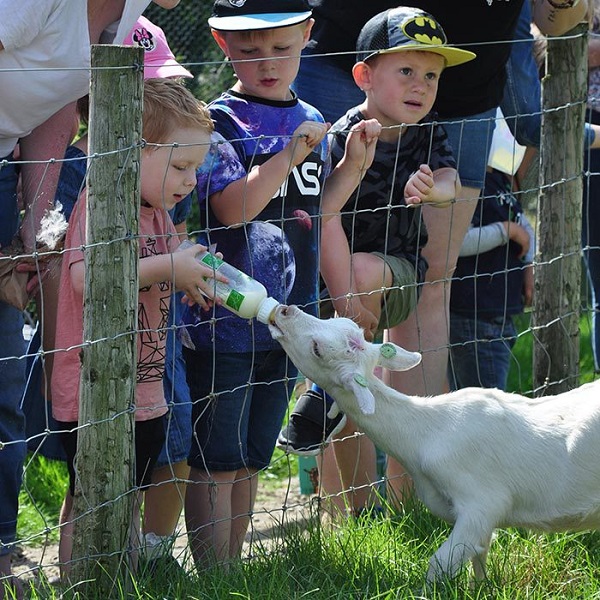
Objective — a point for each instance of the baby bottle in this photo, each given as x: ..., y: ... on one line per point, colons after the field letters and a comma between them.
x: 242, y: 295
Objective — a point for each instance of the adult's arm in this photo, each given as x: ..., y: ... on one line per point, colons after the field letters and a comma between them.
x: 555, y: 17
x: 47, y: 141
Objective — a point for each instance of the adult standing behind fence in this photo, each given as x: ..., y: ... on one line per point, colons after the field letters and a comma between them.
x: 467, y: 100
x: 44, y: 62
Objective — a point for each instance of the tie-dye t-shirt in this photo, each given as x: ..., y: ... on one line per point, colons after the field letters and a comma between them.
x: 279, y: 247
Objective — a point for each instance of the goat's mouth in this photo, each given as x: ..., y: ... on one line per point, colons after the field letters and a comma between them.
x: 274, y: 328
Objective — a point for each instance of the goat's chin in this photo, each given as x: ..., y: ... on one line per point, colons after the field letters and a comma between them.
x: 275, y: 332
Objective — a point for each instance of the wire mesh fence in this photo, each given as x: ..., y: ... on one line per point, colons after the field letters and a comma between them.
x: 298, y: 481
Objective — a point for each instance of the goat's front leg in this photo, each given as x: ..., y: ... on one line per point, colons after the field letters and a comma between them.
x: 470, y: 539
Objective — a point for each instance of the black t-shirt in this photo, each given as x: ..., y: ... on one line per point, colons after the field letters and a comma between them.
x: 376, y: 218
x: 472, y: 24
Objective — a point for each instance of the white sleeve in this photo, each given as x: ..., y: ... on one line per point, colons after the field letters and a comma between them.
x: 482, y: 239
x: 23, y: 20
x: 524, y: 222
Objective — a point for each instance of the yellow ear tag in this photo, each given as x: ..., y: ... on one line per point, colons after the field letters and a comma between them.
x: 360, y: 380
x: 387, y: 351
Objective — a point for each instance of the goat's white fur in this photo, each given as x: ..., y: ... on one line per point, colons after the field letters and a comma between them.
x: 480, y: 458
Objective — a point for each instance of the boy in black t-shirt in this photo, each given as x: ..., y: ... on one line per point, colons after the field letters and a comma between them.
x: 371, y: 251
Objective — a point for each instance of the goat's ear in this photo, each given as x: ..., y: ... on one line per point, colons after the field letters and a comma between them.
x: 357, y: 385
x: 395, y: 358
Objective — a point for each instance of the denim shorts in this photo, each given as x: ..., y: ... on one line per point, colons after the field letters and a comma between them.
x: 149, y: 439
x: 239, y: 401
x: 471, y: 140
x: 178, y: 421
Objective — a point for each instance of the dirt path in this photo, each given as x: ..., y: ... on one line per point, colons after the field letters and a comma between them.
x: 271, y: 506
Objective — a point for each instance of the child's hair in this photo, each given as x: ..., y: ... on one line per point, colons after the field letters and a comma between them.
x: 168, y: 105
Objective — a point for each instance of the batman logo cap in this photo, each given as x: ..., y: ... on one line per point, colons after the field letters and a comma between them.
x: 247, y: 15
x: 405, y: 28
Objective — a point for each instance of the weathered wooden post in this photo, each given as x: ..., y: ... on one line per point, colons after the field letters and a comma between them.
x: 558, y: 259
x: 105, y: 455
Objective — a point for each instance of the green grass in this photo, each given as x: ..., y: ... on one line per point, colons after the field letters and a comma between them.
x: 385, y: 559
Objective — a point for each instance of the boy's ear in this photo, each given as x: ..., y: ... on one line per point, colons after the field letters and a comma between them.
x: 307, y: 30
x: 220, y: 39
x: 361, y: 72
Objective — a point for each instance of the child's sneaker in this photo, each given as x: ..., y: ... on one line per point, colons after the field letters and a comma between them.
x: 310, y: 428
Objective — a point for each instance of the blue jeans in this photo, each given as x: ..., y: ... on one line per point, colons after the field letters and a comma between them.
x: 9, y: 211
x: 590, y: 233
x: 12, y: 380
x: 480, y: 351
x: 471, y: 140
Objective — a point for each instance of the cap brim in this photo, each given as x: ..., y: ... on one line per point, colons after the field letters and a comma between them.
x: 453, y: 56
x: 258, y: 21
x: 166, y: 70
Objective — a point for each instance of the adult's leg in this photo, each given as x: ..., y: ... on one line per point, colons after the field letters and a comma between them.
x: 427, y: 328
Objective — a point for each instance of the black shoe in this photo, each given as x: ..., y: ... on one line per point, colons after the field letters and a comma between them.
x: 309, y: 428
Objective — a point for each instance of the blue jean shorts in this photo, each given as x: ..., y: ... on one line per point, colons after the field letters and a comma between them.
x: 239, y: 401
x: 471, y: 140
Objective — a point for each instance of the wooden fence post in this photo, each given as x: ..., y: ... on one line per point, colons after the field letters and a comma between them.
x: 556, y: 303
x: 105, y: 454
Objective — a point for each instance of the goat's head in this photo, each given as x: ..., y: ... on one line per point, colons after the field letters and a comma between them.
x: 334, y: 353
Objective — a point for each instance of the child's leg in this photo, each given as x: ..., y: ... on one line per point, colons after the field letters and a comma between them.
x: 65, y: 542
x: 310, y: 426
x: 217, y: 512
x: 348, y: 471
x: 68, y: 440
x: 235, y: 421
x: 164, y: 499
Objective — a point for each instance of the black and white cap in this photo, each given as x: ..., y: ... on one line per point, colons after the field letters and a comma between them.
x: 244, y: 15
x: 405, y: 28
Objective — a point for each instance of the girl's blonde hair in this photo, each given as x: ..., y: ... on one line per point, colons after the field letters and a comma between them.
x: 169, y: 105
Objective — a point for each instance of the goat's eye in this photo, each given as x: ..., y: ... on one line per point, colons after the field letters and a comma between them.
x: 315, y: 349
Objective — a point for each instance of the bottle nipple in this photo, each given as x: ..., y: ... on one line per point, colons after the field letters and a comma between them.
x: 265, y: 310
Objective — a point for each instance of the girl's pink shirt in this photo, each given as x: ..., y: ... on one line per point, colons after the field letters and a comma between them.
x: 156, y: 237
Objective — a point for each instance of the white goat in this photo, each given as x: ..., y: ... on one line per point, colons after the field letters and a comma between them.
x: 480, y: 458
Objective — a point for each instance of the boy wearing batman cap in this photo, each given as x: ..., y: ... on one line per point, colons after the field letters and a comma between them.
x: 375, y: 242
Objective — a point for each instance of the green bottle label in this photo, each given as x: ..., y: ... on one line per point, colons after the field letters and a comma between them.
x: 234, y: 300
x: 212, y: 261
